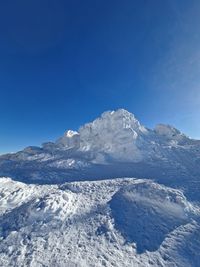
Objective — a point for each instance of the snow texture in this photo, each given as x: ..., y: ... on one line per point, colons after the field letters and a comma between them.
x: 62, y: 204
x: 118, y: 222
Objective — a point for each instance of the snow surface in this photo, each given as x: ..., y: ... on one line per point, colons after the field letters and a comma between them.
x: 62, y: 205
x: 119, y: 222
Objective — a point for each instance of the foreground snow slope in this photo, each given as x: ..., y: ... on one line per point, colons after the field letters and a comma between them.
x: 118, y: 222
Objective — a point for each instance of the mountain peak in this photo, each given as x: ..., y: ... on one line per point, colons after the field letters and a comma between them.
x: 116, y: 119
x: 119, y: 112
x: 113, y: 134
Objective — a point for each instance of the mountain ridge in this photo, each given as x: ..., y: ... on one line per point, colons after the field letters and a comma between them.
x: 113, y: 145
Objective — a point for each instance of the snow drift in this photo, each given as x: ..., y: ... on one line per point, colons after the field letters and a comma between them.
x: 146, y: 212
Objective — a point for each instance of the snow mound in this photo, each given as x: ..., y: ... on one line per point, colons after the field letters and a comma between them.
x: 13, y: 194
x: 32, y: 206
x: 145, y: 213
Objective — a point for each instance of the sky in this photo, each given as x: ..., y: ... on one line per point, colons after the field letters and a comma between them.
x: 63, y: 63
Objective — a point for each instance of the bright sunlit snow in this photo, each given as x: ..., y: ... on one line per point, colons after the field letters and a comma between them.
x: 68, y: 203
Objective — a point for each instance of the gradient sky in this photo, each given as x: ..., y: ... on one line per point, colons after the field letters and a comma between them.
x: 62, y: 63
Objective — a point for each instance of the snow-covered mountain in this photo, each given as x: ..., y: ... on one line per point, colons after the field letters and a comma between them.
x: 114, y: 145
x: 67, y: 203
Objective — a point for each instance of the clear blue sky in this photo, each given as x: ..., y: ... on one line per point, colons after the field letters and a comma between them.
x: 62, y: 63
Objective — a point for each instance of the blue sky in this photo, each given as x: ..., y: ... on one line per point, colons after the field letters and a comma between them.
x: 62, y: 63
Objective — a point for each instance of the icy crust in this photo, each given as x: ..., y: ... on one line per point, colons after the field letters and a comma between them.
x: 121, y: 222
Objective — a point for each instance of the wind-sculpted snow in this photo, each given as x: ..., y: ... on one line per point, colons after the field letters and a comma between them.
x: 146, y: 213
x: 80, y: 224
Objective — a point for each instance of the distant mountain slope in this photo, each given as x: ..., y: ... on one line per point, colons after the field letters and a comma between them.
x: 114, y: 145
